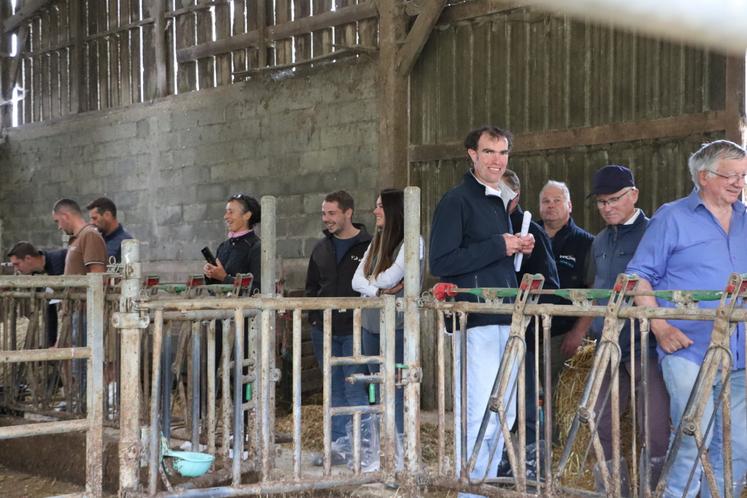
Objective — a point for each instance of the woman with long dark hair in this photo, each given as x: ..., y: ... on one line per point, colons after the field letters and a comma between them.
x: 381, y: 271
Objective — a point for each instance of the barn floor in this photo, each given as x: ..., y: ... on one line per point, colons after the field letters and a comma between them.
x: 52, y: 465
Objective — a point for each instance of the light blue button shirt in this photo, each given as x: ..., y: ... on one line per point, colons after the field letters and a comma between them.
x: 686, y: 248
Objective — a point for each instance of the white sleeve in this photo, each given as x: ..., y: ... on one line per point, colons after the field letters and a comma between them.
x: 360, y: 282
x: 395, y: 273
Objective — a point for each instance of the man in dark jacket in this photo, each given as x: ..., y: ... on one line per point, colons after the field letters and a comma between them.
x: 28, y: 260
x: 472, y: 245
x: 330, y: 274
x: 570, y: 245
x: 613, y: 247
x: 541, y: 261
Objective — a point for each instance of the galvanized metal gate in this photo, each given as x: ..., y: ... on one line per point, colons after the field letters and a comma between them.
x: 91, y: 352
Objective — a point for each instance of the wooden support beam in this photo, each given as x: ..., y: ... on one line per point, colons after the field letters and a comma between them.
x: 478, y: 8
x: 678, y: 126
x: 14, y: 64
x: 77, y: 80
x: 6, y: 118
x: 262, y: 33
x: 158, y: 9
x: 195, y: 8
x: 735, y: 103
x: 336, y: 55
x: 26, y: 12
x: 392, y: 91
x: 345, y: 15
x: 418, y: 35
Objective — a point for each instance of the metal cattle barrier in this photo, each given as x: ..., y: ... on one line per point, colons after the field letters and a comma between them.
x: 718, y: 361
x: 92, y: 353
x: 171, y: 386
x: 242, y: 435
x: 34, y: 317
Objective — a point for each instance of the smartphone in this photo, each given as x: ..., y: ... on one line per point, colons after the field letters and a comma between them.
x: 209, y: 256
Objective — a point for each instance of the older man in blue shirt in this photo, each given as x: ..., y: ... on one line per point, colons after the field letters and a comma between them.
x: 695, y: 243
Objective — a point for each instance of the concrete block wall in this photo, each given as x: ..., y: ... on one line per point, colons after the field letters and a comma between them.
x: 171, y: 164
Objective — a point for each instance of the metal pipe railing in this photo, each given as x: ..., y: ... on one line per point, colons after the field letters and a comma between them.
x: 129, y: 427
x: 254, y: 365
x: 92, y: 354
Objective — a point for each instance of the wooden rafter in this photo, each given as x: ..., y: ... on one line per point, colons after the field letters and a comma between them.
x: 678, y: 126
x: 478, y: 8
x: 345, y: 15
x: 417, y: 37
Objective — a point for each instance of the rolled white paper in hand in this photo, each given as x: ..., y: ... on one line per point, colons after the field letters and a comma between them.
x: 519, y: 256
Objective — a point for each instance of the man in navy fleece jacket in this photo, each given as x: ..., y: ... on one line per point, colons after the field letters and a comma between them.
x: 472, y: 245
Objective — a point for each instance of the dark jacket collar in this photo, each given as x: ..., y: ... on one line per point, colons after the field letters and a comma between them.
x: 565, y: 230
x: 117, y: 231
x: 640, y: 220
x: 247, y: 236
x: 363, y: 235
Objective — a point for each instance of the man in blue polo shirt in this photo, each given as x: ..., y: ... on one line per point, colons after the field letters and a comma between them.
x: 695, y: 243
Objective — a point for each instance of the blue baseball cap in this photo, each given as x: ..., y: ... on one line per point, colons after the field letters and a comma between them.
x: 610, y: 179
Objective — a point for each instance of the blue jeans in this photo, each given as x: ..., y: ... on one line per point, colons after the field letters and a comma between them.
x: 485, y: 348
x: 679, y: 377
x: 370, y: 346
x: 343, y: 393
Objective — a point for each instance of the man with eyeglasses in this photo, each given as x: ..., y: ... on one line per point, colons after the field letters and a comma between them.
x: 697, y: 242
x: 616, y: 195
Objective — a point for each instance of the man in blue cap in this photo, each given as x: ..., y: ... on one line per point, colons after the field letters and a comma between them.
x: 616, y: 195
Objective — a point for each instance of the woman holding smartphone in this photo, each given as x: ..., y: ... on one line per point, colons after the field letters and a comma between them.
x: 242, y: 251
x: 381, y: 271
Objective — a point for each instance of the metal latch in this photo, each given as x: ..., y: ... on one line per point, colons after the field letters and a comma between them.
x: 130, y: 320
x: 406, y: 374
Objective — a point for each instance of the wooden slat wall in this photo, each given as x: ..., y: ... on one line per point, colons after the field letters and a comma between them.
x: 185, y: 37
x: 321, y: 40
x: 117, y: 52
x: 532, y: 72
x: 537, y: 74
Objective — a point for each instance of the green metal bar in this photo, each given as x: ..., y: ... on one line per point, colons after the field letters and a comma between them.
x: 488, y: 293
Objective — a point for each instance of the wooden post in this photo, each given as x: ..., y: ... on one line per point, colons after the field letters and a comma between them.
x: 6, y: 119
x: 77, y: 92
x: 735, y: 99
x: 262, y: 29
x: 393, y: 97
x: 158, y: 8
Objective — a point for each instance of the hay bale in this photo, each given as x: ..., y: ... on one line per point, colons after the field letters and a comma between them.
x: 570, y: 388
x: 429, y: 443
x: 312, y: 419
x: 22, y: 324
x: 312, y: 427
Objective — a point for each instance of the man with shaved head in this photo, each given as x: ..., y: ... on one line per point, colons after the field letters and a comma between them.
x: 87, y: 250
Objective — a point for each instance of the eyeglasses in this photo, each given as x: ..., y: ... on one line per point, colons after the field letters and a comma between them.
x: 612, y: 200
x: 733, y: 178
